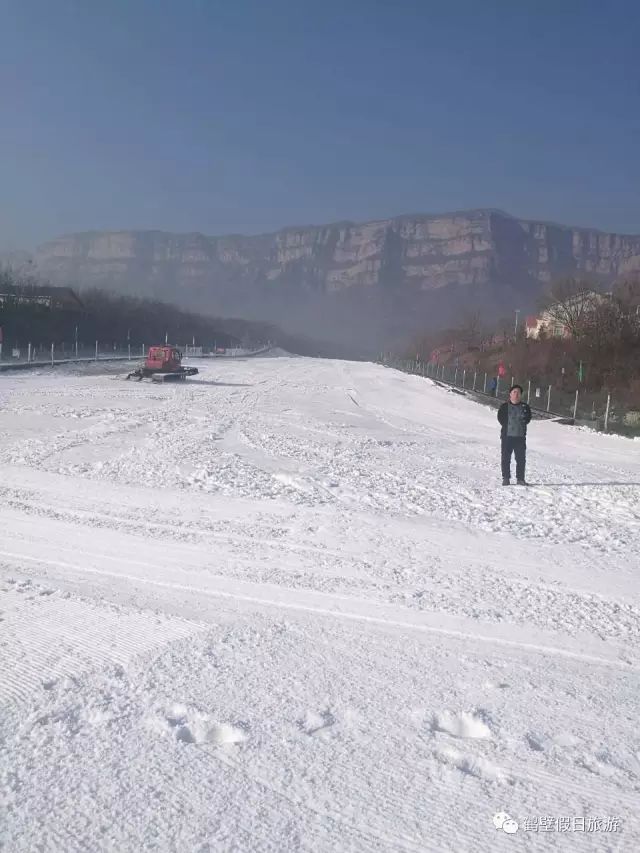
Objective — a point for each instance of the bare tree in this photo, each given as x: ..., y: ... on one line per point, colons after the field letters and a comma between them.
x: 610, y: 339
x: 505, y: 328
x: 627, y: 293
x: 470, y: 329
x: 570, y: 302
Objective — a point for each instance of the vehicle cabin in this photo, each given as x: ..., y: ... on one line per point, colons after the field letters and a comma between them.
x: 163, y: 358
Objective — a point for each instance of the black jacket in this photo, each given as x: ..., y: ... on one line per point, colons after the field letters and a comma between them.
x: 503, y: 417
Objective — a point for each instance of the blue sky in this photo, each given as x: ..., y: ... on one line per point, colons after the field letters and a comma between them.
x: 248, y: 116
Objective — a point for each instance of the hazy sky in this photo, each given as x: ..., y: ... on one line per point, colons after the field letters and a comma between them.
x: 249, y: 115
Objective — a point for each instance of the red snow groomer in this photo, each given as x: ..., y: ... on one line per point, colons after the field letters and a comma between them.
x: 163, y: 364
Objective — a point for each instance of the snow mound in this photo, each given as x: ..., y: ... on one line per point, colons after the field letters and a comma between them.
x: 314, y: 723
x: 277, y: 352
x: 463, y: 725
x: 473, y: 765
x: 189, y: 725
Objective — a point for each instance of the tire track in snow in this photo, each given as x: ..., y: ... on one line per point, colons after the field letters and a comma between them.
x: 335, y: 612
x: 606, y: 794
x: 372, y: 832
x: 546, y: 606
x: 199, y: 531
x: 51, y: 636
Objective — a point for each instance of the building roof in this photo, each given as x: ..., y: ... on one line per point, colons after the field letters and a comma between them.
x: 63, y: 295
x: 53, y: 297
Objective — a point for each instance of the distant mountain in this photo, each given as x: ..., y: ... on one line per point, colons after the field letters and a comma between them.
x: 362, y: 283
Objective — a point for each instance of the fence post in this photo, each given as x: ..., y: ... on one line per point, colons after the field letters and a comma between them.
x: 575, y: 405
x: 606, y: 414
x: 484, y: 390
x: 96, y: 350
x: 497, y: 387
x: 29, y: 353
x: 549, y: 399
x: 475, y: 374
x: 512, y: 381
x: 455, y: 377
x: 529, y: 391
x: 52, y: 346
x: 464, y: 376
x: 129, y: 352
x: 143, y: 350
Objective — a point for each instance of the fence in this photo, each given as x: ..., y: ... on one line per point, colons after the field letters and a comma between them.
x: 24, y: 355
x: 600, y: 411
x: 228, y: 352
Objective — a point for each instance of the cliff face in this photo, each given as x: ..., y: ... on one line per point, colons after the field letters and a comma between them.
x: 389, y: 274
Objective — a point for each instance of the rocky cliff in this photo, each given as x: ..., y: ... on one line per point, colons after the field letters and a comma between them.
x: 375, y: 278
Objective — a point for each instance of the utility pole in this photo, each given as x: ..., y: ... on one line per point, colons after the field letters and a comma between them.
x: 606, y: 414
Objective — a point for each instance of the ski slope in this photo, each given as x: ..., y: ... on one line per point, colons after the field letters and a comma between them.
x: 287, y: 605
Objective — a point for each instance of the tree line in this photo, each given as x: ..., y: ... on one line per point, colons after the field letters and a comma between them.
x: 590, y: 339
x: 110, y: 318
x: 116, y: 319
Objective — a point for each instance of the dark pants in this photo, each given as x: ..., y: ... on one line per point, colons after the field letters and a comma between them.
x: 518, y: 446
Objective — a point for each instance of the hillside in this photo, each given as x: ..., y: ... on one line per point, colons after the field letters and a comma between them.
x: 362, y: 283
x: 288, y: 606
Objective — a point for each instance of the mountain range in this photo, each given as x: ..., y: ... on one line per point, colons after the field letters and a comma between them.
x: 366, y: 283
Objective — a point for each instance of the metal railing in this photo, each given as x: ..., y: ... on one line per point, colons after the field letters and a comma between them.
x: 28, y: 355
x: 598, y: 410
x: 25, y: 355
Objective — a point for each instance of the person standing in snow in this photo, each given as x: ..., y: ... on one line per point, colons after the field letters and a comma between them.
x: 514, y: 416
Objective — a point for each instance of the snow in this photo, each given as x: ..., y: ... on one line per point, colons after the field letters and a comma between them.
x: 287, y: 605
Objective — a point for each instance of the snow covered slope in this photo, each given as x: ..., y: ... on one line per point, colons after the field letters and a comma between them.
x: 289, y: 606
